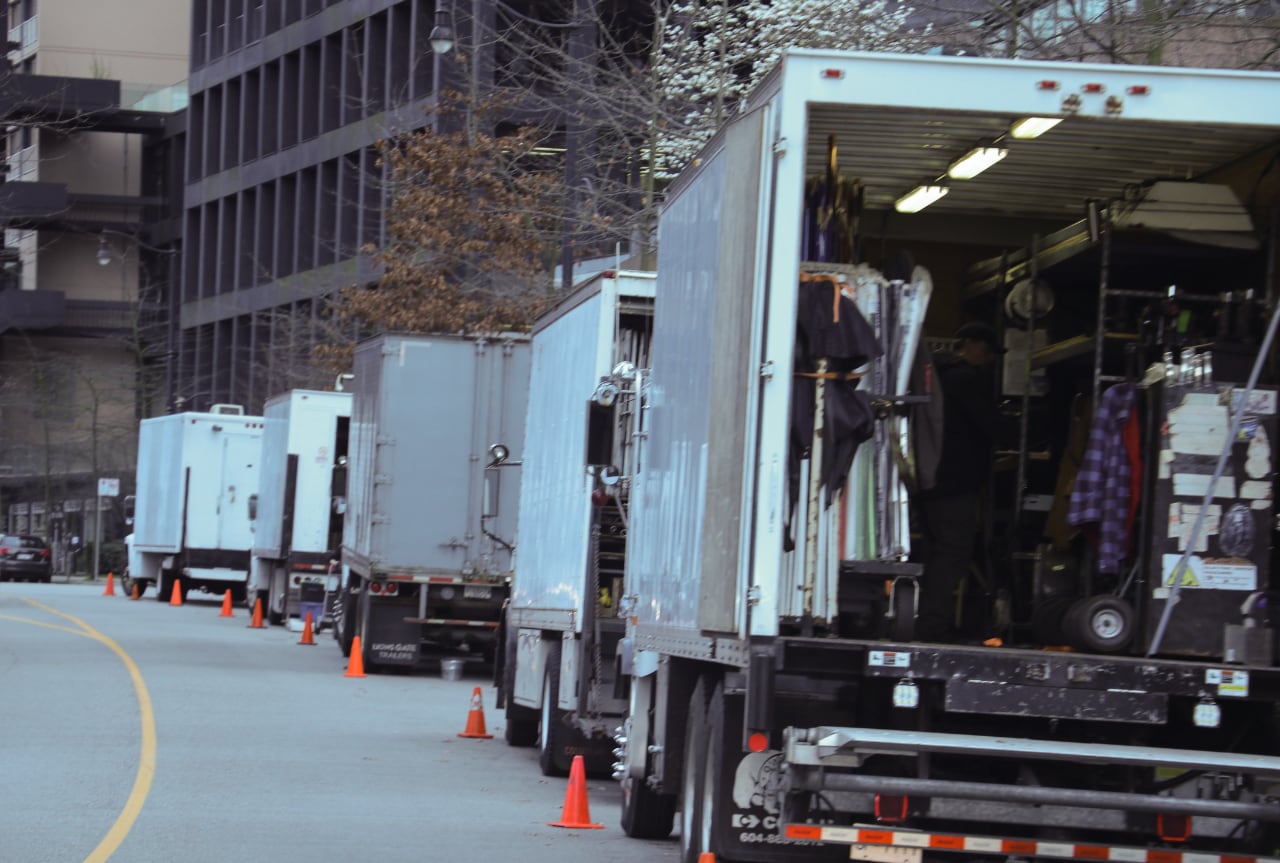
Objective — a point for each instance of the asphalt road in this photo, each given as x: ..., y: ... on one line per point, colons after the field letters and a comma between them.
x: 137, y: 732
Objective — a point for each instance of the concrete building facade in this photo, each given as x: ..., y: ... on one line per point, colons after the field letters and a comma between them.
x: 90, y: 247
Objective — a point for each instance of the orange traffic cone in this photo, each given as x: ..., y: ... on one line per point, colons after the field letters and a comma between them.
x: 175, y: 598
x: 307, y: 636
x: 576, y: 812
x: 706, y: 857
x: 475, y: 718
x: 355, y: 667
x: 136, y: 593
x: 256, y: 622
x: 226, y: 605
x: 110, y: 589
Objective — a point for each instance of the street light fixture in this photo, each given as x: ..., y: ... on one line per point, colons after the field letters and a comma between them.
x: 104, y: 251
x: 441, y: 37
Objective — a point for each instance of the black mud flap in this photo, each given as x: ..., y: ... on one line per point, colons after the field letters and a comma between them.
x: 749, y: 805
x: 392, y: 641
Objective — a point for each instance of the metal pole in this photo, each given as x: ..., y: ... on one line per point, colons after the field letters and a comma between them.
x: 97, y: 536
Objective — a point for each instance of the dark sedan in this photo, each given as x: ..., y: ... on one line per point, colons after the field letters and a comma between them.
x: 24, y: 557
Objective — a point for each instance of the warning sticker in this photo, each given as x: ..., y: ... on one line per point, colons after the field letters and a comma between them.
x: 1211, y: 575
x: 889, y: 659
x: 1230, y: 681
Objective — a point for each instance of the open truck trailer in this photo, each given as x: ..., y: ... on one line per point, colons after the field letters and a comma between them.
x: 778, y: 697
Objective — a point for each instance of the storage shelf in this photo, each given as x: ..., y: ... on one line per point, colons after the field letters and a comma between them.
x: 1074, y: 347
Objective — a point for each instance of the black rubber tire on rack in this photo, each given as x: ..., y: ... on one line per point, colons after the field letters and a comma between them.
x: 553, y: 733
x: 522, y: 725
x: 1103, y: 624
x: 693, y: 773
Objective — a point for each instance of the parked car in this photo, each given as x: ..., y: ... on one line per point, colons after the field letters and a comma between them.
x: 24, y: 557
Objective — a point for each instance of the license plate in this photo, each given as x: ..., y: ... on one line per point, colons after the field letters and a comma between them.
x: 26, y: 556
x: 476, y: 591
x: 885, y: 853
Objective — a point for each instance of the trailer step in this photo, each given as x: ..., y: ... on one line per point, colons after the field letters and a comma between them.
x: 829, y: 745
x: 879, y: 837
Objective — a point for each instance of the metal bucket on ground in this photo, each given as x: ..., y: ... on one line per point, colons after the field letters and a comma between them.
x: 451, y: 669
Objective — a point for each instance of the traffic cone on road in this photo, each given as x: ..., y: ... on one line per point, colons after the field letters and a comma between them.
x: 355, y: 667
x: 576, y: 812
x: 256, y: 622
x: 226, y: 605
x: 135, y: 593
x: 475, y: 718
x: 110, y: 589
x: 307, y: 636
x: 706, y: 857
x: 175, y: 598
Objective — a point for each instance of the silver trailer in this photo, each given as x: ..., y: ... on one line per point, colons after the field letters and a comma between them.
x: 432, y: 489
x: 557, y: 666
x: 763, y: 707
x: 300, y: 505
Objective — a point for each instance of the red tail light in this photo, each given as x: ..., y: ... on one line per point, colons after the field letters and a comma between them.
x: 4, y: 549
x: 1173, y: 828
x: 44, y: 552
x: 892, y: 808
x: 375, y: 587
x: 392, y: 589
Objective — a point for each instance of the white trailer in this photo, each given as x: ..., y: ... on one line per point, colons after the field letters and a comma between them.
x: 196, y: 475
x: 433, y: 481
x: 557, y: 661
x: 300, y: 504
x: 763, y: 707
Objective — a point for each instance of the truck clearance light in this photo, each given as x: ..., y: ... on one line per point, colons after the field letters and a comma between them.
x: 1047, y: 85
x: 997, y: 845
x: 835, y: 74
x: 1138, y: 90
x: 1093, y: 88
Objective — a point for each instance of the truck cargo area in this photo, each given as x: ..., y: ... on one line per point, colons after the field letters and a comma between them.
x: 781, y: 700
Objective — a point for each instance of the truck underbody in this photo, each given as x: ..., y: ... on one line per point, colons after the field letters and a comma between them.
x: 877, y: 745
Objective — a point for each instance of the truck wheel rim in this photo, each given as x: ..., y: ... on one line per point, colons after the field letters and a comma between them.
x: 1107, y: 624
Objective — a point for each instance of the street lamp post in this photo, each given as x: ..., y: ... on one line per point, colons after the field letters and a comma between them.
x: 106, y: 255
x: 442, y: 39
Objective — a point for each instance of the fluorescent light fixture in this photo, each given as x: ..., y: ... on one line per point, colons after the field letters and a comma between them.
x: 1033, y: 127
x: 974, y: 162
x: 919, y: 198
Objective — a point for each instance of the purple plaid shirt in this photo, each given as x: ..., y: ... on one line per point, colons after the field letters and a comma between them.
x: 1101, y: 492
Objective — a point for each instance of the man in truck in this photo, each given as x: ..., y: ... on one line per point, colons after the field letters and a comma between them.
x: 949, y: 512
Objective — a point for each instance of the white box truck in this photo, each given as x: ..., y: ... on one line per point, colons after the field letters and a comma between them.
x: 764, y: 707
x: 300, y: 506
x: 556, y: 668
x: 433, y: 483
x: 196, y: 475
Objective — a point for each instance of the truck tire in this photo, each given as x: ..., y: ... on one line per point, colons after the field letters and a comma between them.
x: 277, y: 597
x: 344, y: 629
x: 646, y: 814
x: 1104, y: 624
x: 164, y: 586
x: 693, y: 777
x: 522, y: 725
x: 553, y: 733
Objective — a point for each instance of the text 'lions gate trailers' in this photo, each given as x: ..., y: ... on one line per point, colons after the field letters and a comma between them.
x: 778, y: 696
x: 196, y: 475
x: 433, y: 482
x: 557, y: 667
x: 300, y: 504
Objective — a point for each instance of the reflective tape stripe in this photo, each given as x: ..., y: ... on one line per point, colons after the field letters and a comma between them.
x: 998, y: 845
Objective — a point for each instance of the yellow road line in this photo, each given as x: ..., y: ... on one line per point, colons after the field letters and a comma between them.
x: 146, y: 758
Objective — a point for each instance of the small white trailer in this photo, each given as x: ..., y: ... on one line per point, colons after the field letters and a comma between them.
x: 196, y: 475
